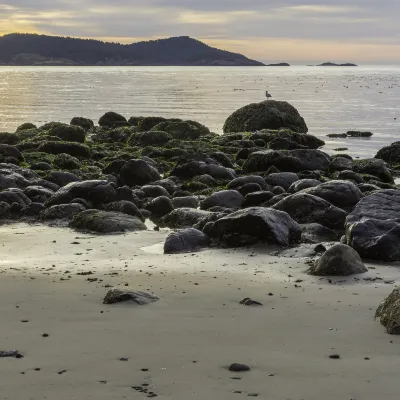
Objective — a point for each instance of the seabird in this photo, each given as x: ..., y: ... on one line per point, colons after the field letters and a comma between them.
x: 267, y: 95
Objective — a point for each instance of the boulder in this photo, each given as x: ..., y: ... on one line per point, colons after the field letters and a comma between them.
x: 388, y: 313
x: 283, y: 179
x: 137, y: 172
x: 106, y: 222
x: 73, y: 149
x: 301, y: 184
x: 112, y: 119
x: 123, y: 295
x: 8, y: 138
x: 257, y: 198
x: 152, y: 191
x: 390, y: 154
x: 342, y: 194
x: 252, y: 225
x: 348, y: 175
x: 306, y: 208
x: 34, y: 192
x: 270, y: 114
x: 340, y: 163
x: 373, y: 166
x: 160, y: 206
x: 65, y: 161
x: 339, y: 260
x: 7, y: 151
x: 185, y: 241
x: 373, y: 227
x: 96, y: 191
x: 62, y: 178
x: 224, y: 198
x: 181, y: 130
x: 183, y: 218
x: 62, y: 211
x: 14, y: 195
x: 185, y: 202
x: 5, y: 210
x: 243, y: 180
x: 84, y: 123
x: 148, y: 123
x: 68, y: 133
x: 317, y: 233
x: 26, y: 126
x: 124, y: 207
x: 249, y: 188
x: 151, y: 138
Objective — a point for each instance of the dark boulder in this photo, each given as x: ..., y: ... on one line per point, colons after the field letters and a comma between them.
x: 8, y: 138
x: 38, y: 191
x: 257, y: 198
x: 112, y: 119
x: 124, y: 295
x: 243, y: 180
x: 65, y: 161
x: 7, y: 151
x: 152, y: 191
x: 373, y: 227
x: 183, y: 218
x: 373, y: 166
x: 97, y: 191
x: 62, y: 211
x: 343, y: 194
x: 269, y: 114
x: 340, y: 163
x: 252, y: 225
x: 185, y: 202
x: 159, y: 207
x: 317, y: 233
x: 124, y: 207
x: 84, y: 123
x: 151, y: 138
x: 185, y: 241
x: 249, y: 188
x: 14, y: 195
x: 283, y: 179
x: 138, y: 172
x: 106, y: 222
x: 181, y: 130
x: 303, y: 184
x: 225, y: 198
x: 348, y: 175
x: 339, y: 260
x: 390, y: 154
x: 306, y: 208
x: 148, y: 123
x: 62, y: 178
x: 73, y: 149
x: 388, y: 313
x: 68, y: 133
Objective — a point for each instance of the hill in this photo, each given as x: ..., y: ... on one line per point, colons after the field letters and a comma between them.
x: 32, y: 49
x: 331, y: 64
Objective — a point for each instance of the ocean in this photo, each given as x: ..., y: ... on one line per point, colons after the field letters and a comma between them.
x: 331, y: 99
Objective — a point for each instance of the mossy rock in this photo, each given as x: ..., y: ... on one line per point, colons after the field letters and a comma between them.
x: 73, y: 149
x: 388, y: 313
x: 38, y: 157
x: 68, y: 133
x: 151, y: 138
x: 9, y: 138
x: 66, y: 161
x: 182, y: 130
x: 148, y: 123
x: 270, y: 114
x: 84, y: 123
x: 112, y: 119
x: 27, y: 134
x: 114, y: 135
x: 390, y: 154
x: 26, y: 126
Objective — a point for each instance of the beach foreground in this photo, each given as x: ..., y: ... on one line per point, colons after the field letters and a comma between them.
x: 181, y: 345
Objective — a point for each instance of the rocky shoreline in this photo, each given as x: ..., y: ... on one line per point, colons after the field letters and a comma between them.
x: 264, y: 180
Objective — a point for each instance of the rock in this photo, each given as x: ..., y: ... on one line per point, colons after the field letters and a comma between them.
x: 167, y: 184
x: 287, y: 161
x: 222, y: 159
x: 183, y: 218
x: 206, y: 179
x: 124, y: 207
x: 390, y: 154
x: 73, y: 149
x: 256, y: 198
x: 122, y: 295
x: 151, y: 138
x: 366, y: 187
x: 359, y: 134
x: 112, y: 119
x: 348, y: 175
x: 236, y: 367
x: 243, y: 180
x: 137, y: 172
x: 373, y: 227
x: 255, y: 224
x: 148, y: 123
x: 374, y: 167
x: 65, y: 161
x: 25, y: 127
x: 160, y: 206
x: 388, y: 313
x: 340, y: 163
x: 339, y: 260
x: 14, y: 195
x: 84, y: 123
x: 67, y: 133
x: 7, y: 151
x: 106, y: 222
x: 247, y: 301
x: 11, y: 354
x: 152, y: 191
x: 32, y: 210
x: 96, y: 191
x: 181, y: 130
x: 225, y: 198
x: 306, y: 208
x: 283, y: 179
x: 185, y: 241
x: 343, y: 194
x: 301, y: 184
x: 8, y: 138
x: 62, y: 211
x: 269, y: 114
x: 317, y: 233
x: 195, y: 168
x: 41, y: 166
x: 10, y: 179
x: 62, y: 178
x: 5, y: 210
x: 34, y: 192
x: 185, y: 202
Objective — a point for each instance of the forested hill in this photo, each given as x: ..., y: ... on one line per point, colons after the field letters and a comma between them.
x: 31, y: 49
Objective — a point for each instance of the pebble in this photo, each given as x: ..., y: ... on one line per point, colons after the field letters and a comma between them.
x: 236, y: 367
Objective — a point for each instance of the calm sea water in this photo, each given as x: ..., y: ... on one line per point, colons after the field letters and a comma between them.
x: 332, y: 100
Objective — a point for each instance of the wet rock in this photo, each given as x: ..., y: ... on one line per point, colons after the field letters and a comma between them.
x: 243, y: 180
x: 71, y: 148
x: 269, y: 114
x: 138, y: 172
x: 8, y: 151
x: 124, y: 207
x: 257, y: 198
x: 84, y: 123
x: 342, y: 194
x: 306, y: 208
x: 5, y: 210
x: 124, y: 295
x: 153, y: 191
x: 112, y: 119
x: 68, y: 133
x: 106, y: 222
x: 388, y: 313
x: 237, y: 367
x: 65, y: 161
x: 62, y: 178
x: 225, y: 198
x: 182, y: 130
x: 62, y: 211
x: 373, y: 227
x: 247, y: 301
x: 390, y: 154
x: 185, y: 202
x: 253, y: 225
x: 8, y: 138
x: 96, y: 191
x: 183, y: 218
x: 283, y: 179
x: 160, y: 206
x: 340, y: 163
x: 185, y: 241
x: 151, y: 138
x: 374, y: 167
x: 15, y: 196
x: 339, y: 260
x: 348, y: 175
x: 317, y: 233
x: 10, y: 354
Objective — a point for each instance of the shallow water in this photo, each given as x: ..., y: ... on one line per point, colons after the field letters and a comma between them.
x: 332, y: 100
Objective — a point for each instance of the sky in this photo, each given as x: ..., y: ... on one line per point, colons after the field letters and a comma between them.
x: 296, y: 31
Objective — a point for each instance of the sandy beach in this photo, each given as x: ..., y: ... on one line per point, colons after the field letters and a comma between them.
x: 179, y: 347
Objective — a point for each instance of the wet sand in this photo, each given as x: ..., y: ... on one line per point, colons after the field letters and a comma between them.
x: 181, y: 345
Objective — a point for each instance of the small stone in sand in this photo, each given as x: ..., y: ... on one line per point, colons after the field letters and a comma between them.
x: 334, y: 356
x: 250, y: 302
x: 11, y: 354
x: 45, y: 335
x: 236, y: 367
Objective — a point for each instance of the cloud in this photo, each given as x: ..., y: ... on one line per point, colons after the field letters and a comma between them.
x: 254, y: 27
